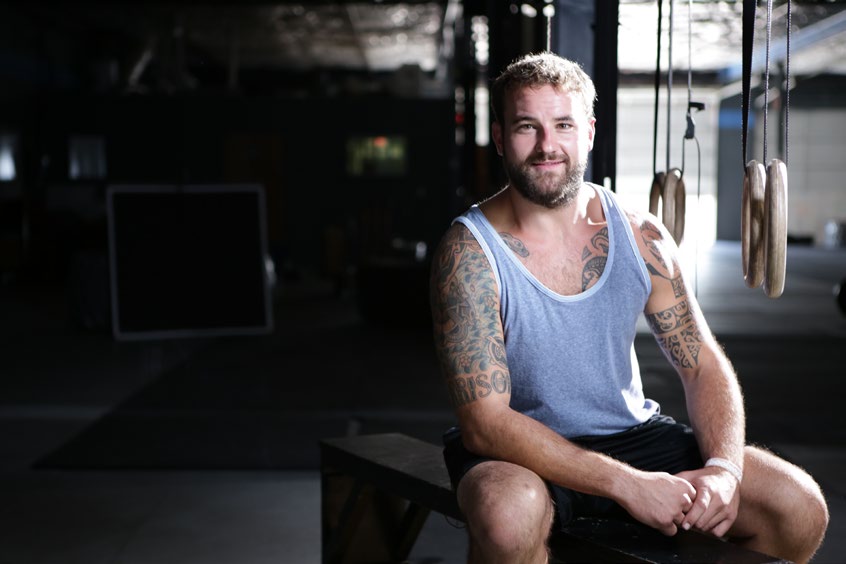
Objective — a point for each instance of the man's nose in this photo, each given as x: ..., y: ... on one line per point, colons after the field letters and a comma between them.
x: 545, y: 142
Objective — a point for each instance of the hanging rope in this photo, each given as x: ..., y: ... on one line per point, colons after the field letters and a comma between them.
x: 690, y: 132
x: 787, y: 89
x: 657, y: 94
x: 669, y: 80
x: 667, y: 188
x: 657, y: 177
x: 754, y: 178
x: 764, y: 203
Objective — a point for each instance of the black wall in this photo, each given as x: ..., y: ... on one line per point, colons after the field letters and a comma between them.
x: 295, y: 147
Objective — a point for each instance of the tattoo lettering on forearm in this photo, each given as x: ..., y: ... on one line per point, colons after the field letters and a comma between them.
x: 515, y: 244
x: 465, y: 390
x: 677, y: 334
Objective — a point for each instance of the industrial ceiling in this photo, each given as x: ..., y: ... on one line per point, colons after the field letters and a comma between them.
x: 383, y: 36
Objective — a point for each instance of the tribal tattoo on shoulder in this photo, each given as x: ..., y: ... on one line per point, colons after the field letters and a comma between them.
x: 466, y: 324
x: 650, y: 235
x: 595, y: 257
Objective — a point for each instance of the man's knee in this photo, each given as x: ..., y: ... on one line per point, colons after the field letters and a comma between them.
x: 807, y: 511
x: 508, y: 508
x: 790, y: 503
x: 795, y: 495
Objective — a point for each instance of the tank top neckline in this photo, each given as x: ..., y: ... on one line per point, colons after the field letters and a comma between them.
x: 606, y: 272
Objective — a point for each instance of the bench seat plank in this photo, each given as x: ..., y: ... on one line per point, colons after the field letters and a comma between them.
x: 389, y: 461
x: 414, y: 470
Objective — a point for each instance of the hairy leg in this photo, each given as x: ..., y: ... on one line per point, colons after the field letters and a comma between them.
x: 782, y: 509
x: 509, y: 513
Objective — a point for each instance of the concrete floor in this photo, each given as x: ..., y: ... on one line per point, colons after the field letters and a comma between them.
x: 58, y: 381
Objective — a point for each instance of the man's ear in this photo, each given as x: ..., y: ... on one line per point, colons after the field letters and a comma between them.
x: 591, y: 133
x: 496, y: 131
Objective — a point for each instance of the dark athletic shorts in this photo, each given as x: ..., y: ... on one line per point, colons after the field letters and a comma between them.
x: 658, y: 445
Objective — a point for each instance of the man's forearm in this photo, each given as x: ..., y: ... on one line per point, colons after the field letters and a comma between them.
x: 513, y: 437
x: 654, y: 498
x: 715, y: 408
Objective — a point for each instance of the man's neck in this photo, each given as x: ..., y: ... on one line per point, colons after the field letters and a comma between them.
x: 529, y: 217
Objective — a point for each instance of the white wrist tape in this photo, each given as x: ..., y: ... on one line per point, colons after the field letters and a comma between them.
x: 728, y: 465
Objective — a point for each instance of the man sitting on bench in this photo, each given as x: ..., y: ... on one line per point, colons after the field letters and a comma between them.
x: 535, y: 298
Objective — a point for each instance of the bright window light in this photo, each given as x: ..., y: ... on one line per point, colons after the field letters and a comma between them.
x: 8, y: 146
x: 483, y: 120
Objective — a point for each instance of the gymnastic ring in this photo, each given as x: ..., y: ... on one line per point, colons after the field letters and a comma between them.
x: 655, y: 192
x: 681, y: 203
x: 752, y: 226
x: 776, y: 228
x: 672, y: 212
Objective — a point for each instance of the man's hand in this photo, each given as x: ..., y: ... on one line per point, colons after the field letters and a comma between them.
x: 660, y: 500
x: 717, y: 499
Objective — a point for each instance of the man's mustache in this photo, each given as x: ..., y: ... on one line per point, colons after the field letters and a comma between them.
x: 549, y: 158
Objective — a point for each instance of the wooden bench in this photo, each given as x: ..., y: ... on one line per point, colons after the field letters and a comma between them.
x: 378, y: 490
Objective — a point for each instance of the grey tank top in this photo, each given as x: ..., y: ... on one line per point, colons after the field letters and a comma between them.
x: 571, y: 358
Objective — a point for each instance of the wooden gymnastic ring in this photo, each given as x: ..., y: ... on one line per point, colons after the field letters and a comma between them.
x: 681, y: 204
x: 655, y: 192
x: 775, y: 228
x: 752, y: 224
x: 672, y: 211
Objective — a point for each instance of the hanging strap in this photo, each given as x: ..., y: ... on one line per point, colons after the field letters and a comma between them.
x: 749, y: 9
x: 787, y: 90
x: 767, y: 74
x: 657, y: 94
x: 669, y: 80
x: 690, y: 130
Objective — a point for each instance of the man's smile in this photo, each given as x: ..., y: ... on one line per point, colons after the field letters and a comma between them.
x: 547, y: 164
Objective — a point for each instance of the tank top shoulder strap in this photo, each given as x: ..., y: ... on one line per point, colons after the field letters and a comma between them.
x: 622, y: 225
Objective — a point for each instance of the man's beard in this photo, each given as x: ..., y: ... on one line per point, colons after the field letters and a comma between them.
x: 561, y: 188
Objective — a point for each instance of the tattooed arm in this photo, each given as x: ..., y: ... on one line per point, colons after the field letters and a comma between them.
x: 469, y: 341
x: 468, y: 334
x: 712, y: 392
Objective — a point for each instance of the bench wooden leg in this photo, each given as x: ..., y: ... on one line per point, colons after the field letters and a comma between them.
x: 339, y: 524
x: 360, y: 523
x: 412, y: 523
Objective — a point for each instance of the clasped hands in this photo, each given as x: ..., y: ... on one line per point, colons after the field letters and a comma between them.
x: 706, y: 500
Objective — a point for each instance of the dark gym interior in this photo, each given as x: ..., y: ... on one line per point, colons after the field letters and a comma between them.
x: 162, y: 402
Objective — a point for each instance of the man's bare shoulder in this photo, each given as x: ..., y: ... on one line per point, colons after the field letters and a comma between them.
x: 457, y: 241
x: 459, y: 251
x: 640, y: 220
x: 655, y: 243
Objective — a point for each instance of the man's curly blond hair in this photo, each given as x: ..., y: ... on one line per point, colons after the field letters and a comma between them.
x: 542, y: 69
